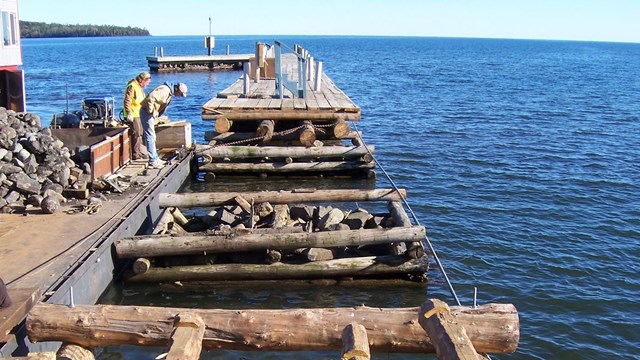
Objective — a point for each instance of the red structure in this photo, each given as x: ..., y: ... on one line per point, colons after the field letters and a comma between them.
x: 12, y: 94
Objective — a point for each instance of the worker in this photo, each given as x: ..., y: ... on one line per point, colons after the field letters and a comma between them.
x: 133, y: 96
x: 153, y: 106
x: 5, y: 301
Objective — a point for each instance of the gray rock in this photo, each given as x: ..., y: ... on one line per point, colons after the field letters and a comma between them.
x: 50, y: 205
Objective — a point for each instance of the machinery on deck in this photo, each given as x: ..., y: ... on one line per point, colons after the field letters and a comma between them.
x: 95, y: 112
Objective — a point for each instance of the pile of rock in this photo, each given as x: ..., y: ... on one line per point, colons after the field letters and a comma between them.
x: 34, y: 165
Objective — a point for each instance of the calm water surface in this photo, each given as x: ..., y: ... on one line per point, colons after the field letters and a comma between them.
x: 521, y: 158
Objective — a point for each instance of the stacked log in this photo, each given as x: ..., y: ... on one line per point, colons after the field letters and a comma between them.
x: 243, y: 239
x: 34, y: 164
x: 283, y: 147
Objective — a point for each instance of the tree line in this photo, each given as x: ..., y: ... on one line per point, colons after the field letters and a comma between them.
x: 30, y: 29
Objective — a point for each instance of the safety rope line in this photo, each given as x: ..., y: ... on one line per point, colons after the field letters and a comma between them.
x: 415, y: 218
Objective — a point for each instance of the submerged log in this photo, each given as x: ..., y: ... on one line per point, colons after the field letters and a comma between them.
x: 149, y: 246
x: 184, y: 200
x: 358, y: 266
x: 312, y: 166
x: 493, y: 328
x: 294, y: 152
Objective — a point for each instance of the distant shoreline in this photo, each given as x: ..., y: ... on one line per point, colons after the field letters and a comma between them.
x: 30, y: 29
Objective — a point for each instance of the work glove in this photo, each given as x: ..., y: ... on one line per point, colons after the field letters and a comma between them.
x: 130, y: 118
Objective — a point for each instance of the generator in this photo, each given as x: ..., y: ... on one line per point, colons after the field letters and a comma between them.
x: 95, y: 112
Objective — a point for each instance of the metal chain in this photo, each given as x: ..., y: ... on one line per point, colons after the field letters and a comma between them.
x: 257, y: 138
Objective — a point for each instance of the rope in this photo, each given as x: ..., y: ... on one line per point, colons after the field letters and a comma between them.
x: 415, y: 218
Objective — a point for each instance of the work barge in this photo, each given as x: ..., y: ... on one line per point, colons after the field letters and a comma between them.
x: 284, y: 117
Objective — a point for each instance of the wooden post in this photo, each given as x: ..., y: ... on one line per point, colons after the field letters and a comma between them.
x: 223, y: 125
x: 355, y: 343
x: 202, y: 199
x: 245, y: 79
x: 493, y: 328
x: 318, y: 81
x: 186, y: 339
x: 265, y: 130
x: 307, y: 133
x: 449, y: 338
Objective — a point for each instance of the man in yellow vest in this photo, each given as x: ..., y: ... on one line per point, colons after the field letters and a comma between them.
x: 133, y: 96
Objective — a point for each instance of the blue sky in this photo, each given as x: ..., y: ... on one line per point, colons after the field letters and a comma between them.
x: 597, y: 20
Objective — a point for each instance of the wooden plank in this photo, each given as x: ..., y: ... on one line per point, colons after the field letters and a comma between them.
x: 263, y: 104
x: 299, y: 104
x: 355, y: 343
x: 449, y: 337
x: 287, y: 104
x: 22, y: 300
x: 186, y: 338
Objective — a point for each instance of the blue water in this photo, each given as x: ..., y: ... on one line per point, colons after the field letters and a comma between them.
x: 521, y: 158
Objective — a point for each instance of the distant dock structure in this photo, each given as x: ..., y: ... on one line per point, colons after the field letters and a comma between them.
x: 161, y: 63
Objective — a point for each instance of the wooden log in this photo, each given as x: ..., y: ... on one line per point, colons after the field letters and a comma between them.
x: 74, y: 352
x: 355, y: 343
x: 340, y: 129
x: 307, y: 134
x: 493, y: 328
x: 163, y: 223
x: 223, y: 125
x: 284, y: 114
x: 186, y: 338
x: 314, y: 166
x: 185, y: 200
x: 449, y: 338
x: 414, y: 249
x: 359, y: 266
x: 265, y: 130
x: 141, y: 265
x: 235, y: 136
x: 294, y: 152
x: 178, y: 217
x: 150, y: 246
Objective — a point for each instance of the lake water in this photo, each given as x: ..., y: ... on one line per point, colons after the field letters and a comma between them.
x: 520, y: 157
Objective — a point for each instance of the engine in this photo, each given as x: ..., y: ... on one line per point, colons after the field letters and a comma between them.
x: 98, y: 109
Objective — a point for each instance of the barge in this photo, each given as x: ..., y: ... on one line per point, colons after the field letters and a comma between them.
x: 148, y: 235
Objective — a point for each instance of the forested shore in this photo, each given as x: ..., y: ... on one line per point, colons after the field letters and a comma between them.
x: 30, y: 29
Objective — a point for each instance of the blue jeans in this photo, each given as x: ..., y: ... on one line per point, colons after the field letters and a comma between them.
x: 149, y: 134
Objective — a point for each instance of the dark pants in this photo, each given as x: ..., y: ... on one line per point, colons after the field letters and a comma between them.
x: 136, y: 139
x: 5, y: 301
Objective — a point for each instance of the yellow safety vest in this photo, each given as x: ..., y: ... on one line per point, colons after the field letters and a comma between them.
x: 136, y: 100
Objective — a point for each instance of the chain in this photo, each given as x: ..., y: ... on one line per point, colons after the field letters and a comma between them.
x: 258, y: 138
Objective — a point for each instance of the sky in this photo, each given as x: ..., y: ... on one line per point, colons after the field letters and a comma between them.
x: 589, y: 20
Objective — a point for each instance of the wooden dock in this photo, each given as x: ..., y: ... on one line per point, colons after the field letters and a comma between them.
x: 288, y: 110
x: 197, y: 62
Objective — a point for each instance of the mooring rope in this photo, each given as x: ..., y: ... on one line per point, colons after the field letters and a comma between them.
x: 415, y: 218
